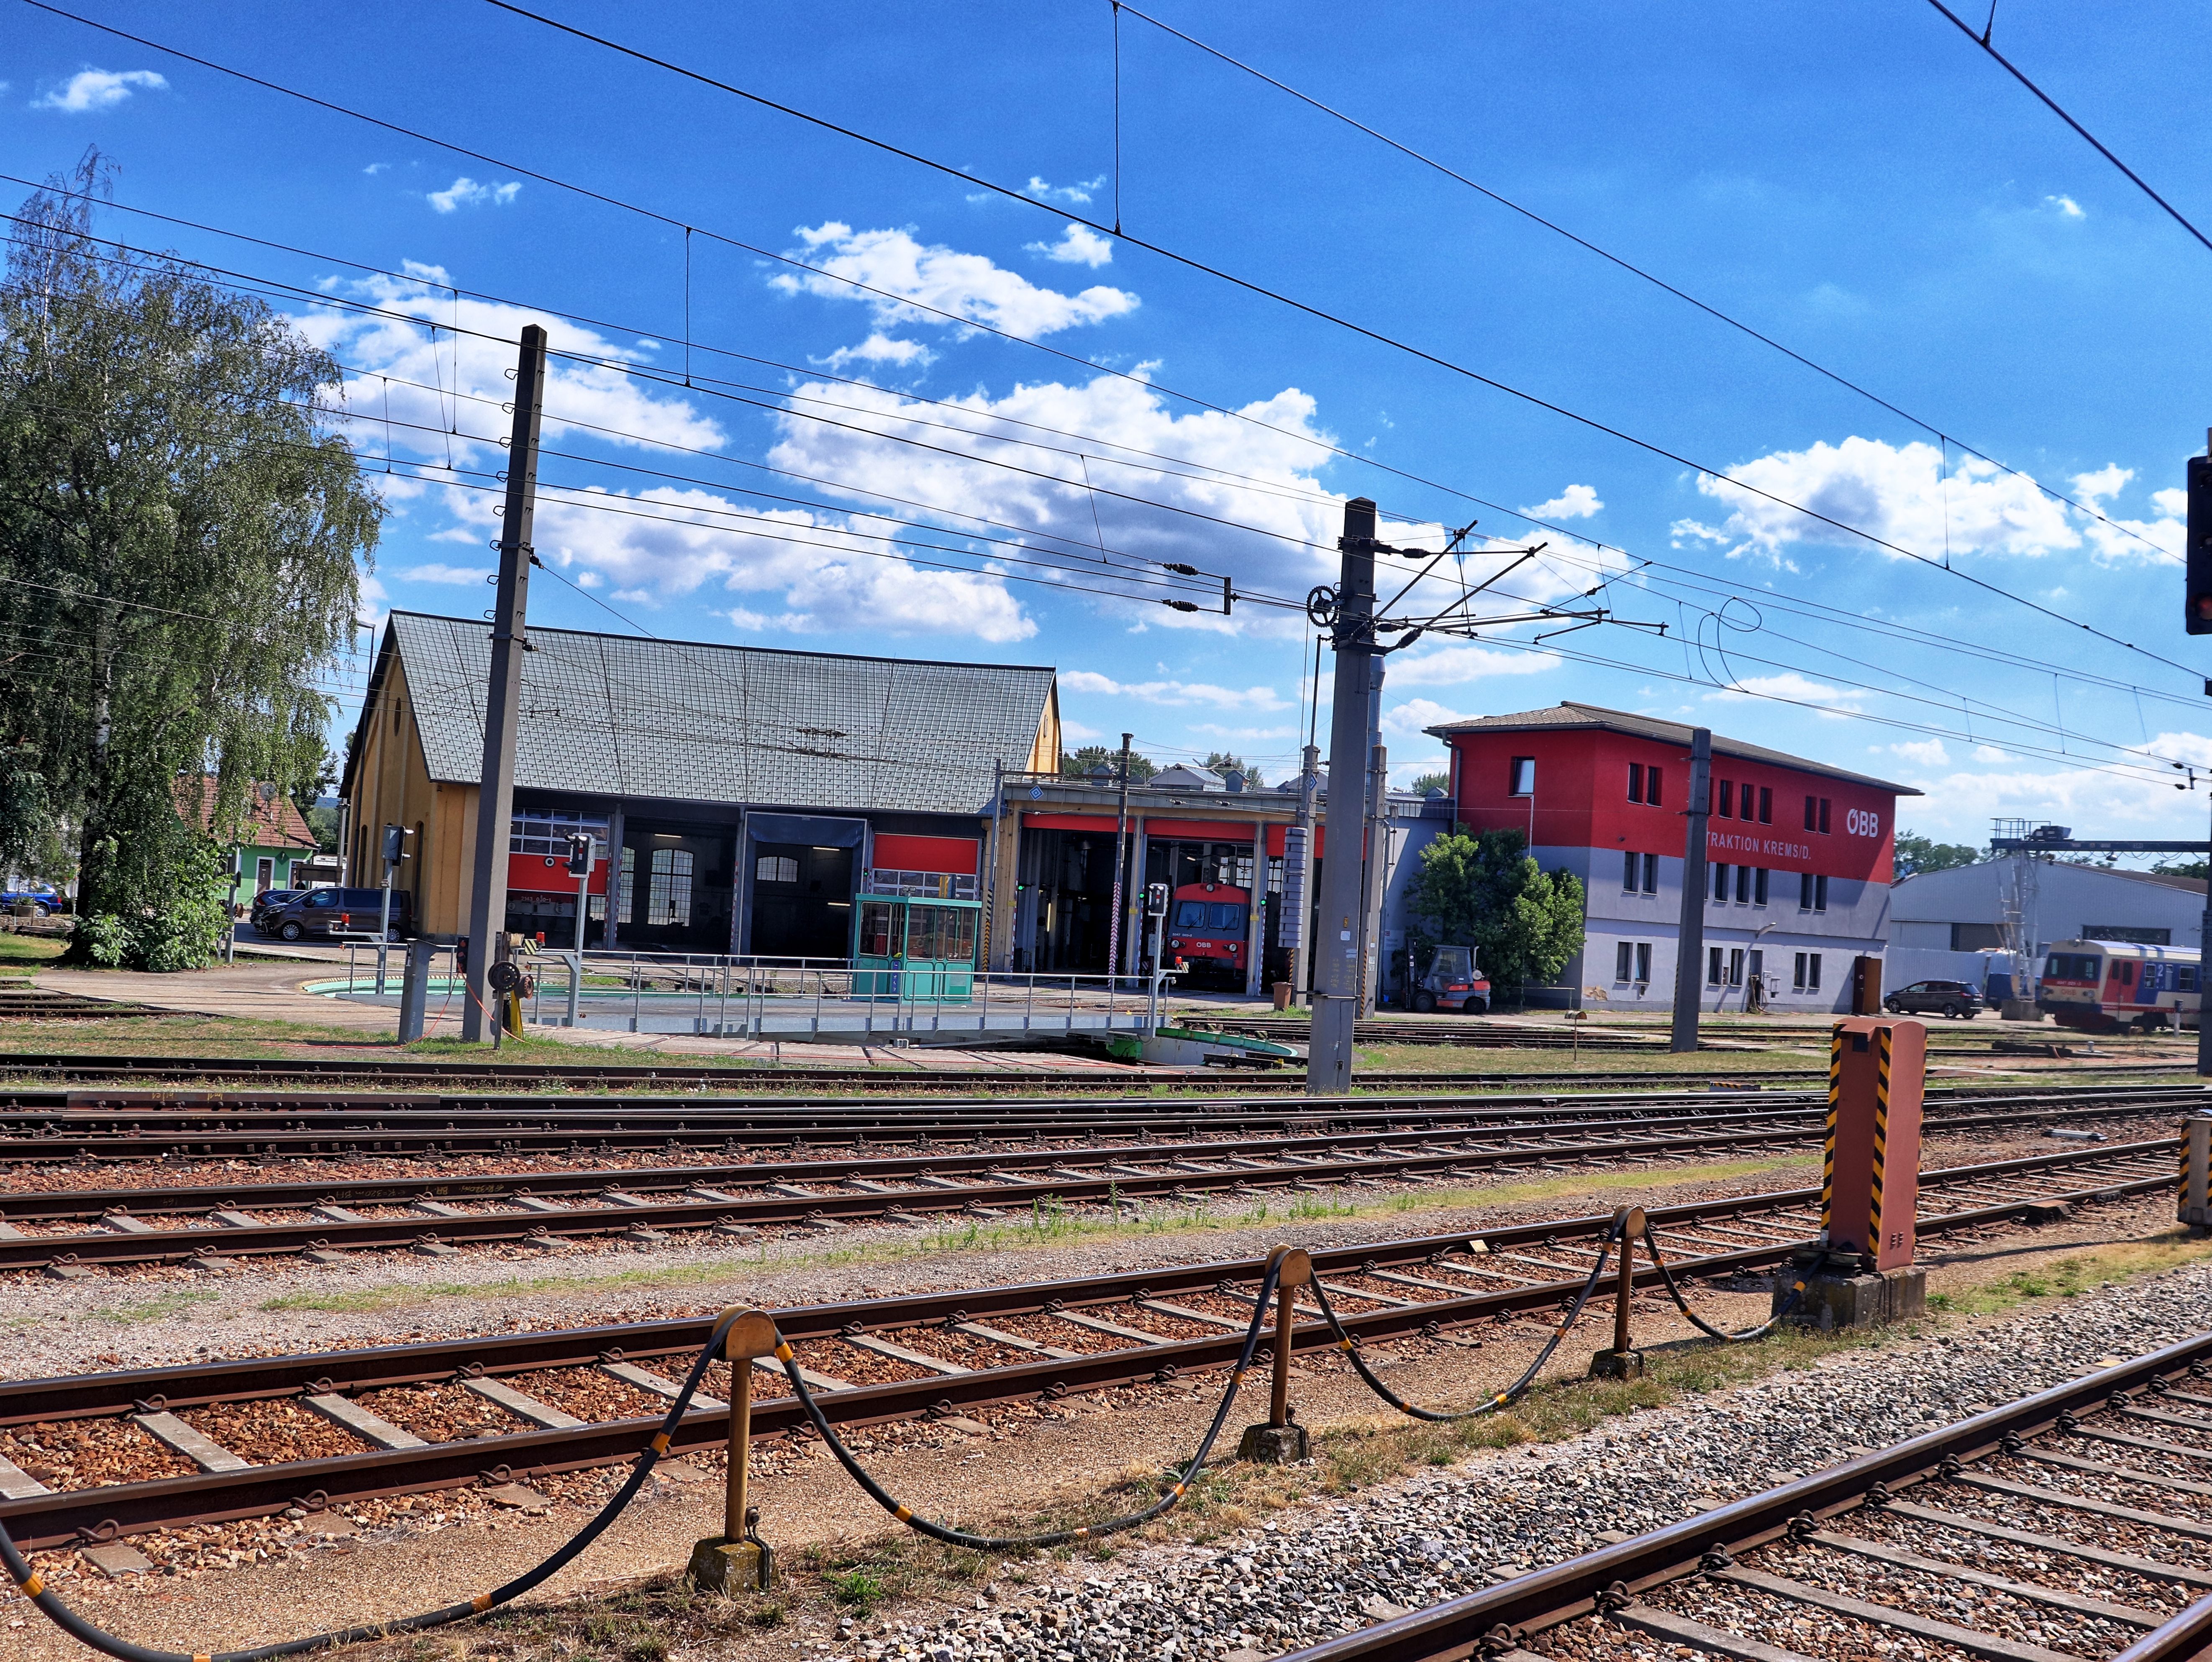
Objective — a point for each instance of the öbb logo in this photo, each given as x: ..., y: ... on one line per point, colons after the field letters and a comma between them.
x: 1862, y: 823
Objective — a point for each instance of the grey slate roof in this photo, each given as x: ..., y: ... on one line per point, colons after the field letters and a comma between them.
x: 622, y: 716
x: 1667, y: 732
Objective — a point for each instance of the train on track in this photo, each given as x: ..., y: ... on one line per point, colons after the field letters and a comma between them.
x: 2100, y: 987
x: 1208, y: 932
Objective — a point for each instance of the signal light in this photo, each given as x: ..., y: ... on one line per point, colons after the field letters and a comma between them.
x: 2197, y: 616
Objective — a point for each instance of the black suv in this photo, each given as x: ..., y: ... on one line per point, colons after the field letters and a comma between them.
x: 270, y: 901
x: 1936, y: 998
x: 330, y: 912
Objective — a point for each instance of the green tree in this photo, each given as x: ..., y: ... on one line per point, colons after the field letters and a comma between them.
x: 1487, y: 892
x: 2171, y: 868
x: 1916, y: 854
x: 180, y: 530
x: 1225, y: 762
x: 1428, y: 782
x: 1093, y: 756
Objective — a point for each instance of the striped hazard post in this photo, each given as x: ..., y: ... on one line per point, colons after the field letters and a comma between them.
x: 2196, y: 1170
x: 1870, y: 1177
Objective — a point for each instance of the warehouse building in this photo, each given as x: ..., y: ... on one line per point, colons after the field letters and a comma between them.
x: 1798, y: 853
x: 742, y: 799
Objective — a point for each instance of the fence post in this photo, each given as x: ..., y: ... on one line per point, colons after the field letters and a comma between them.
x: 1281, y: 1440
x: 738, y: 1559
x: 1624, y: 1361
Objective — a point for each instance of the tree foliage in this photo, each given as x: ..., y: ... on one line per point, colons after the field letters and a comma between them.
x: 1090, y: 757
x: 179, y: 538
x: 1225, y: 762
x: 1917, y: 854
x: 1487, y: 892
x: 1428, y: 782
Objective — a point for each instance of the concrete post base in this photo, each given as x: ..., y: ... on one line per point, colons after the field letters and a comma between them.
x: 1617, y: 1365
x: 1272, y: 1445
x: 731, y: 1566
x: 1833, y: 1302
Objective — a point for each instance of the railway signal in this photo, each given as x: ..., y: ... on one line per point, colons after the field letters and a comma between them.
x: 2197, y: 616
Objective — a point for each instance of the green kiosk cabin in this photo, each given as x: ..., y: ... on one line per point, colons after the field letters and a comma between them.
x: 914, y: 930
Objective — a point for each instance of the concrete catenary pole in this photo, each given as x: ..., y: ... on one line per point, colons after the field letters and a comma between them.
x: 503, y: 693
x: 1121, y: 865
x: 1690, y: 936
x: 1298, y: 873
x: 1336, y: 951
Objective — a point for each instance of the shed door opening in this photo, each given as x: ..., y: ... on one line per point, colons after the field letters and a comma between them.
x: 802, y: 902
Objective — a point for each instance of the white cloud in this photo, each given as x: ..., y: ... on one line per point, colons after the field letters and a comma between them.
x: 1075, y: 732
x: 1074, y: 195
x: 1902, y: 495
x: 2094, y: 802
x: 1448, y: 667
x: 444, y: 574
x: 1574, y: 502
x: 967, y: 286
x: 1173, y: 692
x: 2106, y: 481
x: 376, y: 167
x: 2067, y: 207
x: 1416, y: 715
x: 466, y: 192
x: 1403, y: 773
x: 879, y: 349
x: 1928, y: 752
x: 1077, y: 246
x: 654, y: 548
x: 1214, y: 730
x: 1791, y: 686
x: 1990, y: 753
x: 91, y: 90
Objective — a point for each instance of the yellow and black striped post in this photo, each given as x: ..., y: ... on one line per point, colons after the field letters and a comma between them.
x: 2196, y: 1170
x: 1870, y: 1177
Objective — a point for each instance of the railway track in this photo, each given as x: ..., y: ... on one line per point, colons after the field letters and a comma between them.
x: 39, y: 1076
x: 69, y: 1231
x: 2076, y: 1516
x: 86, y: 1128
x: 540, y: 1402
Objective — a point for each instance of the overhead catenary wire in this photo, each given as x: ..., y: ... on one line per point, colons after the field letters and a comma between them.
x: 1941, y: 436
x: 971, y: 179
x: 1323, y: 314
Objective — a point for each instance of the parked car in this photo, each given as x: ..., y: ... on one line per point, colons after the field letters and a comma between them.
x: 45, y: 900
x: 1951, y: 999
x: 270, y: 900
x: 331, y: 912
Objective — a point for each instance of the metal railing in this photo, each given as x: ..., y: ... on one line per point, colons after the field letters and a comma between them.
x: 728, y: 995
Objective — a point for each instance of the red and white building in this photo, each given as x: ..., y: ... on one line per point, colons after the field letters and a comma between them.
x: 1798, y: 853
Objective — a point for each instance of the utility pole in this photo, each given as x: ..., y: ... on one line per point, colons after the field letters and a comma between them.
x: 1376, y: 874
x: 1690, y: 936
x: 503, y: 694
x: 1336, y: 951
x: 1121, y: 866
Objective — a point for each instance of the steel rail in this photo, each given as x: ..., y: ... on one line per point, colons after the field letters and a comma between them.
x: 1502, y: 1617
x: 146, y: 1243
x: 104, y: 1512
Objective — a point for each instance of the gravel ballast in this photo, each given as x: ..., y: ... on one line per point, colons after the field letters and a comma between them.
x: 1353, y: 1563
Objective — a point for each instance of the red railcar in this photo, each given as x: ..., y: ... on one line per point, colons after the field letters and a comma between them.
x: 1208, y: 931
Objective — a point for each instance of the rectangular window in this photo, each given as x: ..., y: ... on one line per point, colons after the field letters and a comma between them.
x: 1757, y: 963
x: 1765, y: 805
x: 1797, y: 974
x: 1820, y: 893
x: 1743, y: 885
x: 1720, y: 883
x: 1644, y: 961
x: 1812, y: 972
x: 1812, y: 813
x: 1735, y: 967
x: 1636, y: 781
x: 776, y: 868
x: 1759, y: 888
x: 1713, y: 967
x: 1624, y: 962
x: 668, y: 888
x: 1824, y: 813
x: 1631, y: 866
x: 877, y: 919
x: 1745, y: 803
x: 1521, y: 777
x: 629, y: 886
x: 1724, y: 800
x: 2184, y: 978
x: 1804, y: 891
x: 1651, y: 786
x: 1651, y: 874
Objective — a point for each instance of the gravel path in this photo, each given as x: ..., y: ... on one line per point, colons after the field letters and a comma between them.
x: 1352, y: 1563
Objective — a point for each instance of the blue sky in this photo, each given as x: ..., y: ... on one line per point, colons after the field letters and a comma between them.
x: 1861, y: 183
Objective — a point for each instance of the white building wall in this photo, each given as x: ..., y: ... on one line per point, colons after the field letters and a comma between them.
x: 2069, y: 899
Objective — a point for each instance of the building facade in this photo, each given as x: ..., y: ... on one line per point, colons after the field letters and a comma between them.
x: 1798, y: 853
x: 1953, y: 923
x: 741, y: 799
x: 269, y: 837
